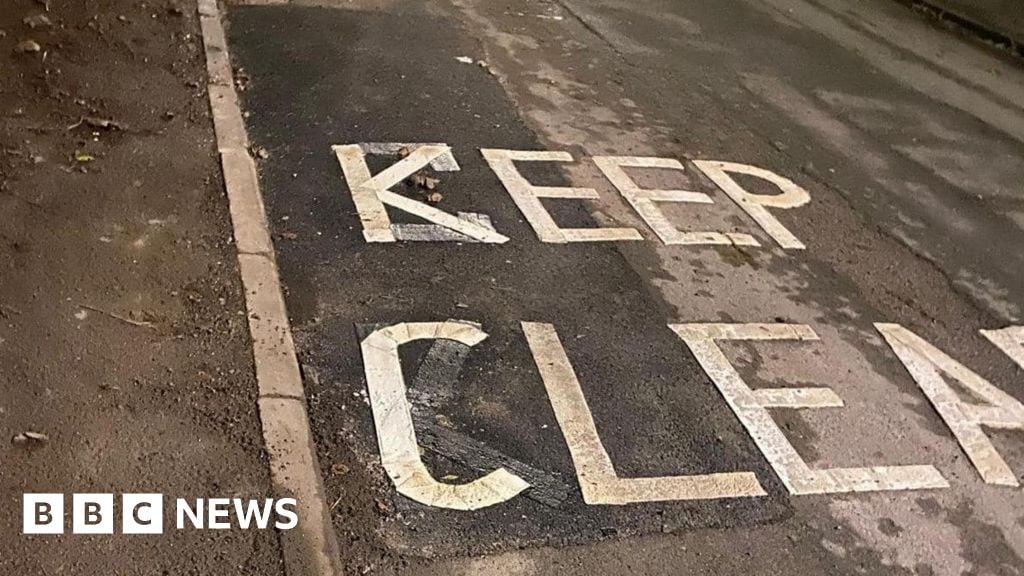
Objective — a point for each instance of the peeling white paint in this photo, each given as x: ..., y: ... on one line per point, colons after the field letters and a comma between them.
x: 751, y: 407
x: 927, y: 365
x: 755, y: 205
x: 644, y: 201
x: 371, y: 193
x: 392, y: 416
x: 527, y: 198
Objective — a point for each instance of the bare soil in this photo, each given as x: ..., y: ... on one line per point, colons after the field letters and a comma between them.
x: 123, y: 337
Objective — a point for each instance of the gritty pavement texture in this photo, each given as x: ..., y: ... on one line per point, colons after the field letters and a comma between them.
x: 122, y: 333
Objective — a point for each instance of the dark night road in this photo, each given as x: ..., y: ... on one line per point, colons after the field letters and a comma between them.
x: 896, y: 150
x: 647, y: 287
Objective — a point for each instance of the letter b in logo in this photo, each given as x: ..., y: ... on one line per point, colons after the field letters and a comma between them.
x: 142, y: 514
x: 92, y: 514
x: 42, y: 514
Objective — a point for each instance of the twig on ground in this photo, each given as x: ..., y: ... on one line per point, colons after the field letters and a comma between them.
x: 125, y: 319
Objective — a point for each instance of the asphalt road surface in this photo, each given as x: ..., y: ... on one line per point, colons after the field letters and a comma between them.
x: 649, y: 287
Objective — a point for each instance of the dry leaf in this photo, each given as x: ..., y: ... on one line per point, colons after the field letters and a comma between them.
x: 27, y: 46
x: 423, y: 181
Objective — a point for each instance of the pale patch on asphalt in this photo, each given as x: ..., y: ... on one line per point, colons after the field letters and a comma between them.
x: 807, y: 113
x: 903, y: 533
x: 927, y: 364
x: 912, y: 73
x: 751, y: 406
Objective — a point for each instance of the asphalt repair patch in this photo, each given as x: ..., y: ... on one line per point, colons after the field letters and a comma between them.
x: 313, y: 78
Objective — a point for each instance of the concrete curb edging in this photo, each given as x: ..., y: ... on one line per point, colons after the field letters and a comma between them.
x: 310, y: 549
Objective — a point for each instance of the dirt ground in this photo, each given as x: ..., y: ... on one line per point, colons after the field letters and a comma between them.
x: 122, y: 333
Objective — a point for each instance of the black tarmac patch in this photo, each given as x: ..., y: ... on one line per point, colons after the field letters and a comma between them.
x: 323, y: 77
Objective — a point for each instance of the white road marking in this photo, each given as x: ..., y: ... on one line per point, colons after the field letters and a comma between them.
x: 527, y: 198
x: 755, y: 205
x: 435, y: 233
x: 926, y: 364
x: 644, y: 201
x: 371, y: 193
x: 444, y: 162
x: 751, y: 407
x: 597, y: 477
x: 1010, y: 340
x: 396, y: 436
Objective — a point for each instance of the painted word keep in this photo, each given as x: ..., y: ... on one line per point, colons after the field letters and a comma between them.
x: 372, y: 195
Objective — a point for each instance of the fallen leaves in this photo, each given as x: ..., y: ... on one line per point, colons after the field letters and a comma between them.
x: 241, y: 79
x: 426, y: 184
x: 423, y: 181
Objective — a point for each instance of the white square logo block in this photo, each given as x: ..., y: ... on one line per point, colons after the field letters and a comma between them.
x: 42, y: 514
x: 92, y: 514
x: 142, y: 514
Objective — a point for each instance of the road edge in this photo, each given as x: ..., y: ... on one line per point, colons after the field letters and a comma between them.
x: 310, y: 548
x: 1000, y: 38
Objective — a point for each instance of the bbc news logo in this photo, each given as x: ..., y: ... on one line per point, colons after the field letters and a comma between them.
x: 144, y: 513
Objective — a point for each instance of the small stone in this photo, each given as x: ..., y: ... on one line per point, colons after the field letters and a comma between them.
x: 27, y: 47
x: 37, y: 21
x: 30, y: 439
